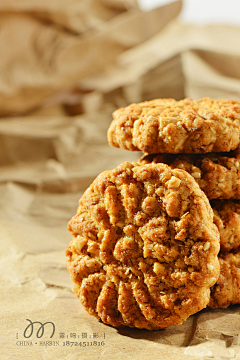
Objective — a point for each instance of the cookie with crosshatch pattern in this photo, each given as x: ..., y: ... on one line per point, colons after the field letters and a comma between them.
x: 170, y: 126
x: 144, y: 248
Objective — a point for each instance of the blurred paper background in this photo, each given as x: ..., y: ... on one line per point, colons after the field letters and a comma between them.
x: 65, y: 66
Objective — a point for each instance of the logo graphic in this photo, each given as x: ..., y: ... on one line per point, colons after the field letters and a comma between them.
x: 29, y: 329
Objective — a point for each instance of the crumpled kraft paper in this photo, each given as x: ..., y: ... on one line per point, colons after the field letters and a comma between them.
x: 185, y: 61
x: 76, y: 16
x: 41, y: 59
x: 212, y: 72
x: 49, y: 156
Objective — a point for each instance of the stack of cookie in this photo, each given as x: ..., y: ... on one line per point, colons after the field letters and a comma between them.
x: 202, y: 138
x: 145, y: 248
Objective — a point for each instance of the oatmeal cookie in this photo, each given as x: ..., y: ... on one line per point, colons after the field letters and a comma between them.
x: 217, y: 174
x: 144, y: 251
x: 170, y: 126
x: 226, y: 291
x: 227, y: 219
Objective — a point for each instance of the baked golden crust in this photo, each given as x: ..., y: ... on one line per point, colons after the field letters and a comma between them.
x: 227, y: 219
x: 170, y: 126
x: 226, y: 291
x: 217, y: 174
x: 144, y: 252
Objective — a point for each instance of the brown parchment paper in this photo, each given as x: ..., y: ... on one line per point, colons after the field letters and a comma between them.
x: 65, y: 67
x: 44, y: 58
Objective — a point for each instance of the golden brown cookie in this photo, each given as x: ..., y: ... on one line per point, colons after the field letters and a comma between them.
x: 144, y: 251
x: 218, y: 175
x: 227, y: 219
x: 226, y: 291
x: 170, y: 126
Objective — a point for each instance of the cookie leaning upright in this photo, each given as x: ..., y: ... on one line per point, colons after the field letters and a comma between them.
x: 217, y: 174
x: 226, y: 291
x: 170, y: 126
x: 144, y: 251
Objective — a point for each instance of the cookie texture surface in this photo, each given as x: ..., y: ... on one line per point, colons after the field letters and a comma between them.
x: 227, y: 219
x: 144, y: 248
x: 226, y: 291
x: 170, y: 126
x: 217, y: 174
